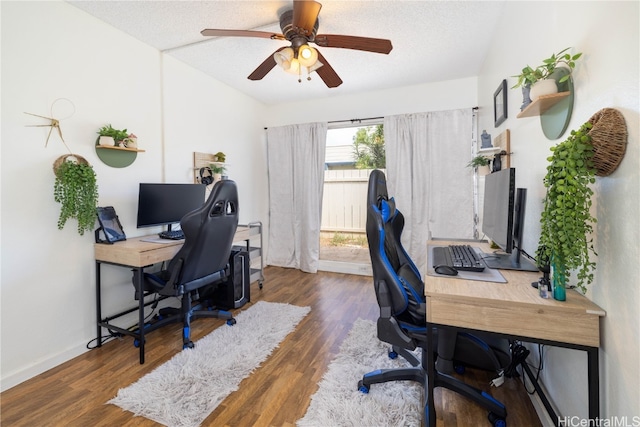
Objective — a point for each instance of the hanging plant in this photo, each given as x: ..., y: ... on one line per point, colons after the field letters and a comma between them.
x: 76, y: 190
x: 566, y: 221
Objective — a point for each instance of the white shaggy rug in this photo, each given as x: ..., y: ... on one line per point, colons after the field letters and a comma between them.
x: 338, y: 402
x: 186, y: 389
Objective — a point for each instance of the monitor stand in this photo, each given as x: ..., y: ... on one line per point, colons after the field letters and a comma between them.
x: 513, y: 261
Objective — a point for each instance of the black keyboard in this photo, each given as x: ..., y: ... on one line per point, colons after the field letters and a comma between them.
x: 171, y: 234
x: 460, y: 257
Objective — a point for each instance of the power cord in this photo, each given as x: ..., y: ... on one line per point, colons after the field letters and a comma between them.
x: 519, y: 355
x: 118, y: 335
x: 112, y: 335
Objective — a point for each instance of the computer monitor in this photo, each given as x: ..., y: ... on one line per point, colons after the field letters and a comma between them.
x: 503, y: 220
x: 166, y: 204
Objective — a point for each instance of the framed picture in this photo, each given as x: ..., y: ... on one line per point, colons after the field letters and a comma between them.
x: 500, y: 104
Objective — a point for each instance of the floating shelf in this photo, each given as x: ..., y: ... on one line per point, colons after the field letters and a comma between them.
x: 542, y: 104
x: 492, y: 150
x: 119, y: 148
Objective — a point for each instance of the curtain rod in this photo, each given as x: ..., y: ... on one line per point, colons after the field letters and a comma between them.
x: 349, y: 121
x: 355, y: 120
x: 360, y: 120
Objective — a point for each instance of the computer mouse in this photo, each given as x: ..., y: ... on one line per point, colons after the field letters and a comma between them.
x: 445, y: 269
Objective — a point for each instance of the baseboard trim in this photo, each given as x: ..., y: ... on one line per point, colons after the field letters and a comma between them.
x: 543, y: 415
x: 12, y: 379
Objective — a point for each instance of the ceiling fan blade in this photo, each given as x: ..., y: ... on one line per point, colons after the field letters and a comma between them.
x: 305, y: 14
x: 353, y: 42
x: 264, y: 68
x: 327, y: 73
x: 209, y: 32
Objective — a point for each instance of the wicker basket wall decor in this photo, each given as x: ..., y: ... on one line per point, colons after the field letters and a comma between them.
x: 609, y: 140
x: 68, y: 158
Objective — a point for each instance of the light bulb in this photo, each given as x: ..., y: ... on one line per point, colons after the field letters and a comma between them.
x: 307, y: 55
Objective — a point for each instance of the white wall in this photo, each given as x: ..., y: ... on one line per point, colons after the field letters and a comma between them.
x: 606, y: 76
x: 54, y: 50
x: 47, y: 293
x: 448, y: 95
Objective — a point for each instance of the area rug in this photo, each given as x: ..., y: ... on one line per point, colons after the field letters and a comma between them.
x: 187, y: 388
x: 338, y: 402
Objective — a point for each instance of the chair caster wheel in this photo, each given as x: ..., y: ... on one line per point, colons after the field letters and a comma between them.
x: 497, y: 421
x: 188, y: 345
x: 136, y: 343
x: 459, y: 369
x: 231, y: 322
x: 393, y: 355
x: 363, y: 388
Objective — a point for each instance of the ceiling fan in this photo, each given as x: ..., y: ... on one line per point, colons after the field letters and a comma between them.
x: 299, y: 26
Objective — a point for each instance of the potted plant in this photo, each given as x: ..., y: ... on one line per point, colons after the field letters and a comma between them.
x: 218, y: 170
x: 76, y: 190
x: 537, y: 78
x: 110, y: 136
x: 566, y: 221
x: 131, y: 141
x: 220, y: 157
x: 479, y: 161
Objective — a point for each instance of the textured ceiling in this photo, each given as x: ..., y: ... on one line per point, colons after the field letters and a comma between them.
x: 432, y: 40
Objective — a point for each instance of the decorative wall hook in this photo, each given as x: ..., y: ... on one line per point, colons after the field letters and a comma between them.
x: 53, y: 122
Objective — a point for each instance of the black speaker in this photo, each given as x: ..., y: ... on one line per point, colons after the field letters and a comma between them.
x: 234, y: 292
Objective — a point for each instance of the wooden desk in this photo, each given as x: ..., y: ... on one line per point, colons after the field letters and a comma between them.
x: 136, y: 254
x: 515, y: 310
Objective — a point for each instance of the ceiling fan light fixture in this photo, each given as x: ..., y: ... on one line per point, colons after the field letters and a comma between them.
x: 284, y: 58
x: 294, y: 67
x: 307, y: 56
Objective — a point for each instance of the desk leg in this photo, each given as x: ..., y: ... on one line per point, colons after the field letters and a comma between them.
x: 593, y: 376
x: 98, y: 306
x: 429, y: 407
x: 139, y: 280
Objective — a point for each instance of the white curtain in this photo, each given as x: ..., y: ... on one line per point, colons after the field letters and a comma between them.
x: 296, y: 179
x: 427, y: 155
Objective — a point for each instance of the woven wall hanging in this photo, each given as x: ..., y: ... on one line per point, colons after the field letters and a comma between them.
x: 609, y: 140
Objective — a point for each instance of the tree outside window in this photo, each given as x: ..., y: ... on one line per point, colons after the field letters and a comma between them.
x: 368, y: 148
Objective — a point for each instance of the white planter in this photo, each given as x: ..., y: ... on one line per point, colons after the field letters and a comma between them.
x: 543, y: 87
x: 107, y: 141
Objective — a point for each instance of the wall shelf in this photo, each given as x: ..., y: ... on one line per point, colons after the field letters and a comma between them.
x: 555, y: 109
x: 116, y: 157
x: 119, y: 148
x: 490, y: 150
x: 542, y: 104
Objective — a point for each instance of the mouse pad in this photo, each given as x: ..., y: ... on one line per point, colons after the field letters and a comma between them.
x: 488, y: 275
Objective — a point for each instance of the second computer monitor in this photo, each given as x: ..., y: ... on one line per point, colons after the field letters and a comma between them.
x: 503, y: 220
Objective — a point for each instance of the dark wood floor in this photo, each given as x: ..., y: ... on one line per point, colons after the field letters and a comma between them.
x: 276, y: 394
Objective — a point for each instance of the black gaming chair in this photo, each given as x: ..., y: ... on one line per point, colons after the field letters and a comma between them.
x: 402, y: 323
x: 202, y: 262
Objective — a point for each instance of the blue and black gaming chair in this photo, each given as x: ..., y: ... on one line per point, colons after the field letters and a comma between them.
x: 402, y: 323
x: 201, y: 264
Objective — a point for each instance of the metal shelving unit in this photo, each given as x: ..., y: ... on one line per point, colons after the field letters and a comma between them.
x: 250, y: 234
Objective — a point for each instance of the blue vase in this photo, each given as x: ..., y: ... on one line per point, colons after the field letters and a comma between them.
x: 559, y: 282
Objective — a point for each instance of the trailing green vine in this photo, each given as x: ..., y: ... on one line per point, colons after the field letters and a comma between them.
x: 76, y: 190
x: 566, y: 221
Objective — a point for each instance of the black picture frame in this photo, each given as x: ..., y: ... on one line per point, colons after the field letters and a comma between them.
x: 500, y: 104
